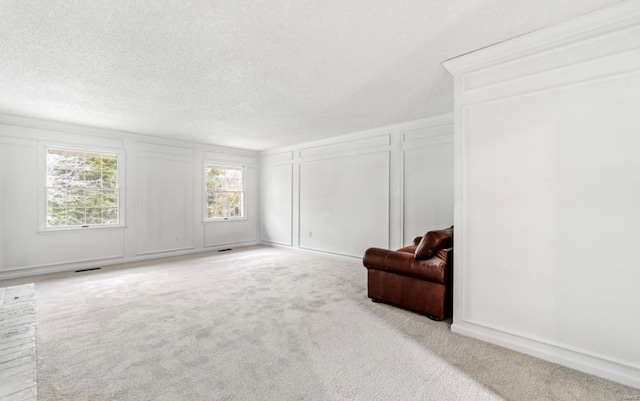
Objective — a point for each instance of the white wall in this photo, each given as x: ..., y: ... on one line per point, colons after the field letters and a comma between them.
x: 163, y: 200
x: 344, y: 203
x: 379, y: 188
x: 427, y: 173
x: 547, y: 193
x: 166, y: 181
x: 277, y: 202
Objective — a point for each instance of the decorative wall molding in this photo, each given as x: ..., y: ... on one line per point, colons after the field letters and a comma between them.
x: 18, y: 141
x: 219, y: 157
x: 437, y: 133
x: 437, y: 126
x: 392, y: 141
x: 596, y: 24
x: 576, y: 60
x: 268, y: 159
x: 600, y: 69
x: 437, y: 120
x: 25, y: 251
x: 286, y: 202
x: 276, y: 159
x: 27, y: 125
x: 427, y: 133
x: 598, y: 45
x: 153, y: 150
x: 352, y: 159
x: 345, y: 148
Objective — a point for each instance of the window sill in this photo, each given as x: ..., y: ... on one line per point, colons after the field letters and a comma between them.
x: 229, y: 219
x: 79, y: 228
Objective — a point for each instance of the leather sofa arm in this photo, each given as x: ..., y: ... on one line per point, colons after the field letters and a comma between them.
x: 374, y: 258
x: 416, y: 240
x: 433, y: 269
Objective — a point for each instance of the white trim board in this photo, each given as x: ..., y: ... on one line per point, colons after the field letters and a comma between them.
x: 69, y: 267
x: 593, y: 364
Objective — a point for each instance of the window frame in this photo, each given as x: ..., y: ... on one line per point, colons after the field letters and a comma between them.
x: 205, y: 209
x: 43, y: 201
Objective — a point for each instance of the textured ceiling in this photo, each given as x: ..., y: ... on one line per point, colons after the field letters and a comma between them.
x: 248, y: 74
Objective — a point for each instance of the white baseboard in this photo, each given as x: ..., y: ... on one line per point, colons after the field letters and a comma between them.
x: 64, y: 267
x: 312, y: 251
x: 600, y: 366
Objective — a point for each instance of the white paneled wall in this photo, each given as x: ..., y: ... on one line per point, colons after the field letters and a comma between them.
x: 277, y: 203
x: 379, y: 188
x: 344, y: 203
x: 547, y: 193
x: 428, y: 175
x: 163, y: 200
x: 341, y: 195
x: 165, y: 191
x: 24, y: 244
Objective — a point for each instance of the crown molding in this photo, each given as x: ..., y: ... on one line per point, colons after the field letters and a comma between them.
x: 596, y: 23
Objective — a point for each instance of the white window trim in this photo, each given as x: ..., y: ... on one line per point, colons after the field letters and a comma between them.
x: 42, y: 188
x: 205, y: 192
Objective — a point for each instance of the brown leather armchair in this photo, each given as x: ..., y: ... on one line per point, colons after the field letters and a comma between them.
x: 417, y: 277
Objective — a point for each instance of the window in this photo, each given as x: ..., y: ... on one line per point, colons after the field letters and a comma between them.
x: 82, y: 189
x: 225, y: 192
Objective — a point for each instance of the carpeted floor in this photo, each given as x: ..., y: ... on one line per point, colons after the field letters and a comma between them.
x: 267, y: 324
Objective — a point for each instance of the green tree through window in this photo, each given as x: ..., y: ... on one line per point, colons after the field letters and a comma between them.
x: 82, y: 188
x: 225, y: 192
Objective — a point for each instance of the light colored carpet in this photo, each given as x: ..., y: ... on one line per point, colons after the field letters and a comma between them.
x: 267, y: 324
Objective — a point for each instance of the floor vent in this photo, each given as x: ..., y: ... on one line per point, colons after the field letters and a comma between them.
x: 88, y: 270
x: 225, y: 250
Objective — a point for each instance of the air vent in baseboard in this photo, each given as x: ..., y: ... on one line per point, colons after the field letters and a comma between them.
x: 87, y: 270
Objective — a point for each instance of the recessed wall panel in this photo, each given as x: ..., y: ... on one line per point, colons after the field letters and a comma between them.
x: 344, y: 203
x: 428, y: 189
x: 551, y: 182
x: 165, y: 204
x: 277, y: 204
